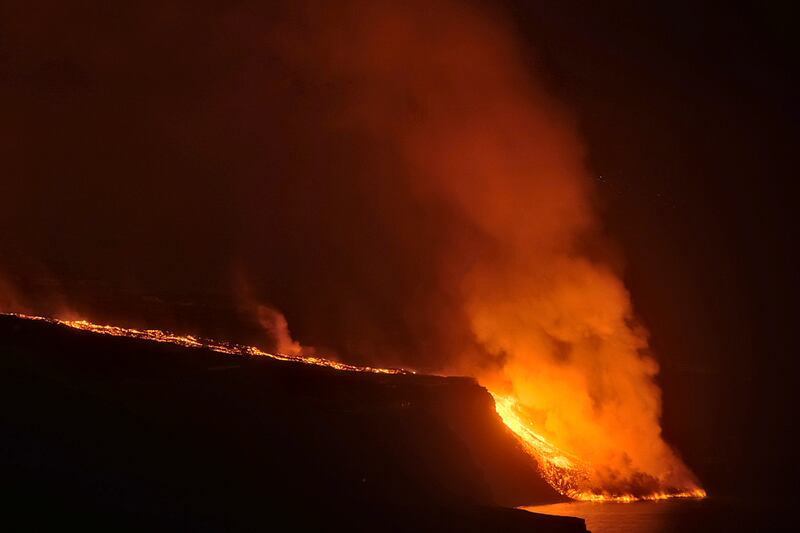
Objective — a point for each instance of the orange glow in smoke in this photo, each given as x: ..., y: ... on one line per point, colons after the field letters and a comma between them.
x: 550, y: 326
x: 525, y: 302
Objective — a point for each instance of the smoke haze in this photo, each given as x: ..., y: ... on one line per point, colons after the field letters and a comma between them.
x: 390, y: 175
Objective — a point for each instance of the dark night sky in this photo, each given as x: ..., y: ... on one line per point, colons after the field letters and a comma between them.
x: 691, y: 118
x: 118, y: 122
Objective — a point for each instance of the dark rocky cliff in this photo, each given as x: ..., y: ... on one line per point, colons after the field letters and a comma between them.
x: 110, y: 431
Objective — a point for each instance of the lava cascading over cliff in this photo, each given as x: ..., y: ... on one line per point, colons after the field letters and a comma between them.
x: 446, y: 86
x: 392, y: 175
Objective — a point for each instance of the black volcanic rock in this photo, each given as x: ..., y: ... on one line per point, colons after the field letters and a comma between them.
x: 111, y: 432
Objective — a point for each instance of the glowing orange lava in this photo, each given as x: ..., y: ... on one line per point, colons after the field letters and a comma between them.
x: 190, y: 341
x: 566, y: 473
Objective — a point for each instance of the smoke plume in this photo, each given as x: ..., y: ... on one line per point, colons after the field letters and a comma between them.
x: 393, y: 176
x: 447, y: 89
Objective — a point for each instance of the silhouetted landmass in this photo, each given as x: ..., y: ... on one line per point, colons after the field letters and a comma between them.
x: 112, y: 432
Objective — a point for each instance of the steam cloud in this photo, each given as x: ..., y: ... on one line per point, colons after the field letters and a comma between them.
x: 446, y: 88
x: 390, y: 174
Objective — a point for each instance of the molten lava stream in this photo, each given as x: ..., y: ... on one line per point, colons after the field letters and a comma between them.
x: 190, y: 341
x: 566, y: 473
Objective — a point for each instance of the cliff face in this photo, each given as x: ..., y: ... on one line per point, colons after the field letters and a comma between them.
x: 97, y: 426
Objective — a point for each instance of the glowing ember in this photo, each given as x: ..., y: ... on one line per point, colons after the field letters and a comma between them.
x: 565, y: 472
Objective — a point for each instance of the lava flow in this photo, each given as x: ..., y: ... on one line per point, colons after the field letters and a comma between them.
x: 566, y: 473
x: 563, y: 471
x: 190, y: 341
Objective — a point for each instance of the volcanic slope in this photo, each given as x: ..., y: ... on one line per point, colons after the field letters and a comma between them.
x: 113, y: 432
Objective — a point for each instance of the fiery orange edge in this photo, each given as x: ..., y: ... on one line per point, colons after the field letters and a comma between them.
x: 560, y: 469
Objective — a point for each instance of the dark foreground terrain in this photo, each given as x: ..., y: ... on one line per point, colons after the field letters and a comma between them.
x: 115, y: 433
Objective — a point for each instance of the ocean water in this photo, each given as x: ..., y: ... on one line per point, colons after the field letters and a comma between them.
x: 669, y: 516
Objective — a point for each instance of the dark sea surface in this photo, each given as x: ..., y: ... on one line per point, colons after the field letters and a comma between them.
x: 670, y: 516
